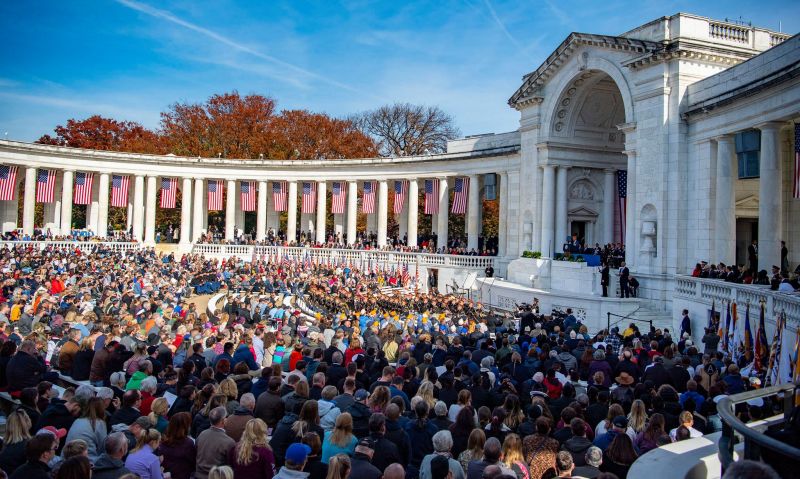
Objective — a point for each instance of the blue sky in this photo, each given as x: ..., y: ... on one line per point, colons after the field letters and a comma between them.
x: 130, y: 59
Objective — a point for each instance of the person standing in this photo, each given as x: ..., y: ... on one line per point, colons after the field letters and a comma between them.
x: 752, y: 255
x: 784, y: 258
x: 686, y: 323
x: 605, y: 279
x: 624, y: 275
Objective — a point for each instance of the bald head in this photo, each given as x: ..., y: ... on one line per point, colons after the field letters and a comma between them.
x: 394, y: 471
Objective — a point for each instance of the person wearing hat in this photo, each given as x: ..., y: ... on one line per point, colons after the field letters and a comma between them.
x: 361, y: 413
x: 619, y: 426
x: 294, y: 462
x: 624, y: 392
x: 361, y: 464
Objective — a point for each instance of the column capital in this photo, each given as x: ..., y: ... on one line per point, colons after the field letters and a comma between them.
x: 609, y: 171
x: 771, y: 125
x: 547, y: 166
x: 725, y: 137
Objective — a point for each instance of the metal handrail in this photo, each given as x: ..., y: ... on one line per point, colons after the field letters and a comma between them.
x: 731, y: 424
x: 627, y: 316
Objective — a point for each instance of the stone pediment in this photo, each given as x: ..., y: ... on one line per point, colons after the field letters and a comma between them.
x: 531, y: 82
x: 583, y: 212
x: 747, y: 206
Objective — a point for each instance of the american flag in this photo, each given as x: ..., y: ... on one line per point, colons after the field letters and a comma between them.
x: 215, y: 195
x: 431, y: 197
x: 169, y: 189
x: 460, y: 194
x: 45, y: 186
x: 622, y: 195
x: 119, y: 190
x: 83, y: 188
x: 368, y: 201
x: 279, y: 195
x: 339, y: 195
x: 405, y: 275
x: 400, y: 191
x: 796, y: 161
x: 248, y: 195
x: 309, y: 197
x: 8, y: 182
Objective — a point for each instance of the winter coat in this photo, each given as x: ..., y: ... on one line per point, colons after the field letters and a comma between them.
x: 328, y: 412
x: 269, y: 408
x: 107, y: 467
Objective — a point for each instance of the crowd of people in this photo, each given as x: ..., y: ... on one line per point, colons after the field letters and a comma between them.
x: 779, y: 278
x: 369, y: 382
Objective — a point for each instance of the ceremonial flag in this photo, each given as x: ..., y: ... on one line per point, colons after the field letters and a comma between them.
x: 169, y: 192
x: 796, y: 161
x: 737, y: 338
x: 45, y: 186
x: 215, y: 195
x: 279, y: 195
x: 796, y: 366
x: 368, y: 200
x: 762, y: 347
x: 8, y: 182
x: 773, y: 371
x: 726, y: 332
x: 83, y: 188
x: 460, y: 194
x: 431, y: 197
x: 712, y: 315
x: 309, y: 197
x: 400, y: 191
x: 748, y: 336
x: 622, y: 195
x: 405, y: 274
x: 248, y: 195
x: 119, y: 191
x: 338, y: 195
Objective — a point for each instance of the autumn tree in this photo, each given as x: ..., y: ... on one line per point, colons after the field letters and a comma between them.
x: 99, y: 133
x: 300, y: 134
x: 404, y: 129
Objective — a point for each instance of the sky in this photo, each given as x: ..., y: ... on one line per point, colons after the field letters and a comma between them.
x: 131, y: 59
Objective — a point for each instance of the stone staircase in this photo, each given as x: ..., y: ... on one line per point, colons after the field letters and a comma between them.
x: 660, y: 319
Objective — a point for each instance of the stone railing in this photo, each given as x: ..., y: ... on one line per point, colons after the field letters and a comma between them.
x: 730, y: 32
x: 713, y: 290
x: 778, y: 38
x: 360, y: 258
x: 85, y: 246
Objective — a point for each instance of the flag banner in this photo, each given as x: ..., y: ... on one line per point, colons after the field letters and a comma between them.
x: 712, y: 315
x: 215, y: 195
x: 8, y: 182
x: 119, y: 190
x: 248, y: 195
x: 309, y: 197
x: 761, y: 347
x: 279, y: 195
x: 338, y: 195
x: 460, y: 196
x: 796, y: 366
x: 773, y: 370
x: 431, y: 197
x: 400, y: 192
x: 726, y: 331
x: 169, y: 192
x: 622, y: 196
x: 83, y: 188
x: 737, y: 337
x: 748, y: 336
x: 368, y: 198
x: 45, y: 186
x: 796, y: 189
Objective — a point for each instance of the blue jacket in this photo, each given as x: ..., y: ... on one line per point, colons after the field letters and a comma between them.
x: 243, y: 354
x: 259, y: 387
x: 222, y: 356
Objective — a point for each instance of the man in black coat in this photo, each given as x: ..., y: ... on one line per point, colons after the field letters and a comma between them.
x: 386, y: 452
x: 657, y: 373
x: 26, y: 369
x: 40, y: 450
x: 336, y: 372
x: 130, y: 410
x: 624, y: 275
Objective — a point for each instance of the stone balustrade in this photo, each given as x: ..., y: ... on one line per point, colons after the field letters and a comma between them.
x: 84, y: 246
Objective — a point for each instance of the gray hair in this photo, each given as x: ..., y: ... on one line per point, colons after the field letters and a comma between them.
x: 248, y: 401
x: 217, y: 415
x: 329, y: 392
x: 149, y: 384
x: 336, y: 357
x: 594, y: 456
x: 84, y: 393
x: 440, y: 408
x: 115, y: 443
x: 118, y: 378
x: 599, y: 355
x: 442, y: 441
x: 487, y: 362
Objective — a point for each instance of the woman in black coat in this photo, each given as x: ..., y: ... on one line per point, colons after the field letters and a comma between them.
x: 82, y: 363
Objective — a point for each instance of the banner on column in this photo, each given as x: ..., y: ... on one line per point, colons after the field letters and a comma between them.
x: 8, y: 182
x: 83, y: 188
x: 338, y: 194
x: 622, y: 196
x: 215, y: 195
x: 309, y: 197
x: 45, y: 186
x: 368, y: 199
x: 169, y: 192
x: 431, y: 197
x: 460, y: 195
x: 279, y: 195
x: 248, y: 195
x: 119, y: 190
x: 400, y: 191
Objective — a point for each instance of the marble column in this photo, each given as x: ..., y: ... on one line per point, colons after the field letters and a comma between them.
x: 561, y: 209
x: 199, y: 209
x: 473, y: 212
x: 261, y: 215
x: 322, y: 201
x: 413, y: 212
x: 502, y: 223
x: 150, y: 210
x: 230, y: 210
x: 383, y: 211
x: 138, y: 207
x: 548, y: 210
x: 52, y: 211
x: 770, y: 198
x: 186, y: 211
x: 444, y: 214
x: 102, y: 202
x: 29, y: 202
x: 291, y: 214
x: 67, y: 183
x: 352, y: 211
x: 609, y: 196
x: 630, y: 217
x: 725, y: 208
